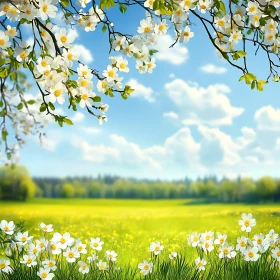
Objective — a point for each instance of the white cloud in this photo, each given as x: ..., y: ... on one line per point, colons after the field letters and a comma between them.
x: 78, y: 117
x: 268, y: 118
x: 171, y: 115
x: 48, y: 143
x: 91, y: 130
x: 141, y: 91
x: 175, y: 55
x: 202, y: 106
x: 213, y: 69
x: 172, y: 76
x: 85, y: 53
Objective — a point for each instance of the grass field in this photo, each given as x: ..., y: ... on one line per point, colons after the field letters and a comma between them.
x: 129, y: 226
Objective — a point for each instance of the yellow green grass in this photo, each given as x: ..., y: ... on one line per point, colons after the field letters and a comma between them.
x: 128, y: 226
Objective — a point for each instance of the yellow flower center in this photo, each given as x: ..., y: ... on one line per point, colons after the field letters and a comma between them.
x: 122, y: 65
x: 251, y: 254
x: 226, y: 251
x: 84, y: 72
x: 51, y: 264
x: 146, y: 267
x: 84, y: 83
x: 242, y: 243
x: 157, y: 248
x: 23, y: 239
x: 43, y: 33
x: 95, y: 244
x: 12, y: 31
x: 45, y: 8
x: 207, y: 237
x: 80, y: 248
x: 235, y: 36
x: 29, y: 261
x: 70, y: 56
x: 13, y: 11
x: 187, y: 3
x: 70, y: 254
x: 6, y: 228
x: 35, y: 251
x: 252, y: 9
x: 247, y: 223
x: 203, y: 7
x: 111, y: 73
x: 44, y: 275
x: 28, y: 12
x: 186, y: 34
x: 6, y: 9
x: 259, y: 241
x: 85, y: 97
x: 44, y: 64
x: 23, y: 55
x: 104, y: 84
x: 102, y: 266
x: 53, y: 247
x: 270, y: 37
x: 200, y: 264
x: 207, y: 245
x: 195, y: 239
x: 57, y: 93
x: 2, y: 265
x: 2, y: 42
x: 41, y: 245
x: 256, y: 18
x: 221, y: 22
x: 147, y: 29
x: 63, y: 39
x: 84, y: 267
x: 278, y: 254
x: 222, y: 240
x: 161, y: 27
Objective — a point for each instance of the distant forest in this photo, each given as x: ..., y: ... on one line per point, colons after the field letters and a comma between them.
x: 16, y: 184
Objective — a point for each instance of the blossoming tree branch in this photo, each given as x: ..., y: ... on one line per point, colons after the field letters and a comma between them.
x: 51, y: 62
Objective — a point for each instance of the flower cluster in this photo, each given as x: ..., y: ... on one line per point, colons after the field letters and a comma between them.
x: 46, y: 255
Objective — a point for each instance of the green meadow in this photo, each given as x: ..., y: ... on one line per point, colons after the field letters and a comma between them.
x: 129, y: 226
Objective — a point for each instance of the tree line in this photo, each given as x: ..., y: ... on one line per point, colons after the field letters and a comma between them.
x: 17, y: 184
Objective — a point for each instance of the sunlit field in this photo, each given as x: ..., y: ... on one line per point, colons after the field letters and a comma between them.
x: 129, y: 226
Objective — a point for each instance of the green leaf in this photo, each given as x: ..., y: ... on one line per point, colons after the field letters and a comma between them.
x: 51, y: 106
x: 68, y: 121
x: 3, y: 113
x: 43, y: 107
x: 123, y: 8
x: 106, y: 4
x: 1, y: 103
x: 241, y: 53
x: 31, y: 102
x: 222, y: 7
x: 4, y: 73
x: 65, y: 3
x: 4, y: 134
x: 96, y: 98
x: 31, y: 66
x: 20, y: 106
x: 9, y: 156
x: 275, y: 79
x: 104, y: 28
x: 151, y: 52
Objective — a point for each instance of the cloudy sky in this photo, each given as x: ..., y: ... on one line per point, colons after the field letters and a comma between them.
x: 191, y: 117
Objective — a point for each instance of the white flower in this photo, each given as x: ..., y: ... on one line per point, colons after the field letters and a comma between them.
x: 44, y: 273
x: 207, y: 236
x: 146, y: 26
x: 221, y: 22
x: 64, y: 39
x: 70, y: 55
x: 255, y: 19
x: 179, y: 15
x: 64, y: 240
x: 92, y: 258
x: 151, y: 65
x: 235, y: 36
x: 118, y: 43
x: 207, y: 246
x: 260, y: 242
x: 186, y: 34
x: 50, y: 263
x: 5, y: 266
x: 7, y: 227
x: 83, y: 3
x: 141, y: 68
x: 86, y: 98
x: 187, y: 5
x: 29, y: 260
x: 241, y: 243
x: 111, y: 256
x: 145, y: 267
x: 194, y: 239
x: 156, y: 248
x: 110, y: 73
x: 84, y: 71
x: 173, y: 255
x: 85, y: 84
x: 204, y: 5
x: 149, y: 4
x: 29, y: 12
x: 11, y: 31
x: 252, y: 8
x: 80, y: 246
x: 272, y: 237
x: 247, y: 222
x: 83, y: 267
x: 71, y: 254
x: 220, y: 239
x: 47, y: 9
x: 96, y: 244
x: 33, y: 249
x: 161, y: 28
x: 103, y: 108
x: 226, y: 251
x: 200, y: 263
x: 54, y: 248
x: 22, y: 51
x: 102, y: 265
x: 101, y: 119
x: 23, y: 238
x: 251, y: 254
x: 102, y: 85
x: 57, y: 95
x: 46, y: 228
x: 122, y: 64
x: 275, y: 253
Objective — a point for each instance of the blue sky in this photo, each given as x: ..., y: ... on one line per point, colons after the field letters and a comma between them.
x: 185, y: 119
